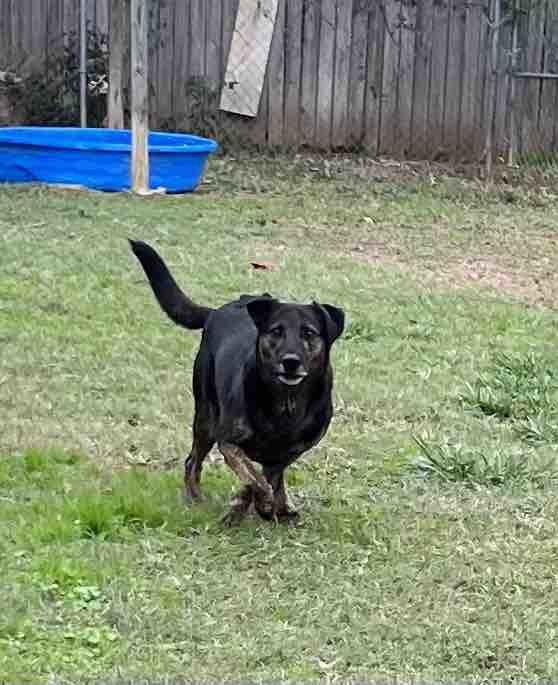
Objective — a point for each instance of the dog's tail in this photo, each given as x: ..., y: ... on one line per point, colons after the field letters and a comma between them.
x: 172, y: 300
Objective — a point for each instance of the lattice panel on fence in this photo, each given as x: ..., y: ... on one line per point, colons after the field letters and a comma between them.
x: 248, y: 56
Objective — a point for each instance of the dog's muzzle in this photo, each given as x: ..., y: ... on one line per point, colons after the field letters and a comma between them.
x: 291, y: 371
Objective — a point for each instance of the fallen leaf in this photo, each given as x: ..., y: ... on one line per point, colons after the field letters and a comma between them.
x: 266, y: 266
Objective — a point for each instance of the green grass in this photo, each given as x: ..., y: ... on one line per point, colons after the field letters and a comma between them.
x: 427, y: 548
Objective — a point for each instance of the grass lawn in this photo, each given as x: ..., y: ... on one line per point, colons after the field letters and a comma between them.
x: 428, y: 547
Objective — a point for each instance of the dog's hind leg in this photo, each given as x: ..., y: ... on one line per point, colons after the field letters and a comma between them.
x: 255, y: 485
x: 202, y: 444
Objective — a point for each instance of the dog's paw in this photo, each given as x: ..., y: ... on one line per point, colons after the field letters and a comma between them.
x: 233, y: 517
x: 264, y: 507
x: 191, y: 496
x: 289, y: 517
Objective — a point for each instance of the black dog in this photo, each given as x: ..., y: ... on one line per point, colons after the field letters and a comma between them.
x: 262, y: 386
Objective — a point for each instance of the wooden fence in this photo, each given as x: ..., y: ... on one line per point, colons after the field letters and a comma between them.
x: 396, y: 77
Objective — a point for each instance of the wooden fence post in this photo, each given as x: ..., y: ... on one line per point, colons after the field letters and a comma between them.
x: 116, y: 52
x: 140, y: 97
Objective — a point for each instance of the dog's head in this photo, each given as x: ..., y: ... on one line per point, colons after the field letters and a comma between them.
x: 294, y: 340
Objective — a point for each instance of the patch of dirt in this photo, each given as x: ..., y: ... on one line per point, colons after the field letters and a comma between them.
x: 530, y: 279
x: 534, y: 287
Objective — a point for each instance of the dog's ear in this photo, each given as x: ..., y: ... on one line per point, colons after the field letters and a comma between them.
x: 260, y: 309
x: 334, y: 320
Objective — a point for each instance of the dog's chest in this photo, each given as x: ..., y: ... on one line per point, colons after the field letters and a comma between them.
x: 283, y: 441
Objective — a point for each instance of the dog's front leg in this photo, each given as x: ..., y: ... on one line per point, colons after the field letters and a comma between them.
x: 255, y: 485
x: 283, y: 510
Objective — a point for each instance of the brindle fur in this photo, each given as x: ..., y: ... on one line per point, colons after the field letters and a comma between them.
x: 262, y: 386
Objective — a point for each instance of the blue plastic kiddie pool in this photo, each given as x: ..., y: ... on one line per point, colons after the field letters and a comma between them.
x: 99, y: 158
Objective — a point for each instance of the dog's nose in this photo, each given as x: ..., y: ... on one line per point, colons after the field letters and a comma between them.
x: 291, y: 363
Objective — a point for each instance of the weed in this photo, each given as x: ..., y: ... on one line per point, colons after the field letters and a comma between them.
x: 516, y: 387
x: 474, y: 466
x: 360, y: 331
x: 522, y: 389
x: 539, y: 429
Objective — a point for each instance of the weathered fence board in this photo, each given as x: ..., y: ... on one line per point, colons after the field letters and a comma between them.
x: 421, y: 78
x: 166, y: 56
x: 471, y: 41
x: 214, y: 43
x: 392, y: 77
x: 326, y: 73
x: 531, y: 90
x: 71, y: 17
x: 479, y: 131
x: 389, y: 25
x: 18, y: 10
x: 438, y: 64
x: 197, y: 38
x: 405, y: 69
x: 276, y: 80
x: 53, y: 38
x: 357, y: 75
x: 154, y: 32
x: 374, y: 73
x: 309, y: 72
x: 6, y: 31
x: 180, y: 70
x: 501, y: 118
x: 548, y: 112
x: 102, y: 15
x: 293, y: 64
x: 343, y: 39
x: 115, y: 100
x: 454, y: 77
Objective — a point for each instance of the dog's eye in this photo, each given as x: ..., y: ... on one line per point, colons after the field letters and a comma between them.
x: 276, y: 332
x: 308, y: 333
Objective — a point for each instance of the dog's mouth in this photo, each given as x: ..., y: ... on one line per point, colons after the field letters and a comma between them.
x: 291, y: 380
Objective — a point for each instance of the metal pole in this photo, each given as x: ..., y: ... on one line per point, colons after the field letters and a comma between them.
x: 83, y: 63
x: 512, y: 98
x: 492, y: 89
x: 533, y: 74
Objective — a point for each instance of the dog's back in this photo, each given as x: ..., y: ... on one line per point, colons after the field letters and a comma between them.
x: 226, y: 353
